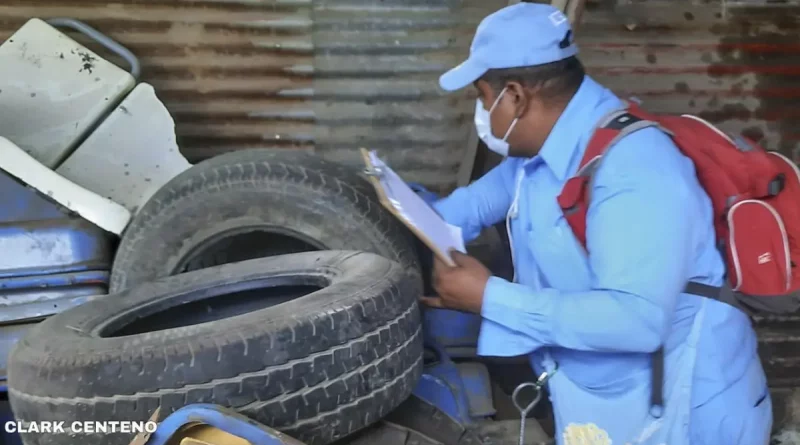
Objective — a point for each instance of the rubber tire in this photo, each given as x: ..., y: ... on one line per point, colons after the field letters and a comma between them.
x: 326, y: 202
x: 416, y: 422
x: 317, y: 368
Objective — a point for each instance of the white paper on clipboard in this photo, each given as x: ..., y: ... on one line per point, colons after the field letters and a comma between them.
x: 415, y: 211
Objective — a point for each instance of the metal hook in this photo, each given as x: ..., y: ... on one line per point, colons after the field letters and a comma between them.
x: 515, y: 397
x: 374, y: 171
x: 379, y: 174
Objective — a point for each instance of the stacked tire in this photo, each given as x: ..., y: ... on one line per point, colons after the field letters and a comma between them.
x: 335, y: 358
x: 257, y: 203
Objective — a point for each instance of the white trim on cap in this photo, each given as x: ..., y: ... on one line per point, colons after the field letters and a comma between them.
x: 557, y: 18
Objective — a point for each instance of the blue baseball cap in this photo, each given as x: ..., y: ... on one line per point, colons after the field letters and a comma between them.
x: 524, y: 34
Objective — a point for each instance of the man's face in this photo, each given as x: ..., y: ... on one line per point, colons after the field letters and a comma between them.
x: 514, y: 103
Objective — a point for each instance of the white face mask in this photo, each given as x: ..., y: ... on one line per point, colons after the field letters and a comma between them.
x: 484, y: 127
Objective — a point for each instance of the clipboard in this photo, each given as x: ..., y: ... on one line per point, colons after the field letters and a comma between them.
x: 402, y: 202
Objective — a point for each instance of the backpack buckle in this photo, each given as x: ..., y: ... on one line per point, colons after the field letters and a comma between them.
x: 622, y: 121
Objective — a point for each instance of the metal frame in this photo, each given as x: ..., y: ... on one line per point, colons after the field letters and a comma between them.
x: 221, y: 418
x: 104, y: 40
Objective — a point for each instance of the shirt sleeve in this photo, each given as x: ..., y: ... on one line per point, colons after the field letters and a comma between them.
x: 640, y: 242
x: 483, y: 203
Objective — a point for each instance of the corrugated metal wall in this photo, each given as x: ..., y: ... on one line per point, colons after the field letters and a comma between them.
x: 735, y: 67
x: 302, y: 74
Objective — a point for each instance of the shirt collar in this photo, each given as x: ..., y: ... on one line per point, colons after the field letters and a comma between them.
x: 570, y: 134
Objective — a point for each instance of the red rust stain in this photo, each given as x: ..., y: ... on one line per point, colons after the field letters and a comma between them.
x: 772, y: 58
x: 714, y: 70
x: 792, y: 93
x: 738, y: 88
x: 783, y: 47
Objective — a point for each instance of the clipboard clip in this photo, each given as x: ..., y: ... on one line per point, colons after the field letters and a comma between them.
x: 378, y: 173
x: 375, y: 172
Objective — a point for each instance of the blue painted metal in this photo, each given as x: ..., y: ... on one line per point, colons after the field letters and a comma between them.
x: 6, y: 415
x: 441, y: 386
x: 36, y: 297
x: 51, y: 260
x: 478, y: 388
x: 36, y: 248
x: 221, y: 418
x: 452, y: 329
x: 19, y: 203
x: 38, y: 236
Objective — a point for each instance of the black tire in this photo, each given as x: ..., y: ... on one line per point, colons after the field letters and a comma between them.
x: 318, y: 368
x: 416, y: 422
x: 256, y: 203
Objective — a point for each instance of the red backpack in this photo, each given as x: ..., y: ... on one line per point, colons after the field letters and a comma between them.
x: 756, y: 199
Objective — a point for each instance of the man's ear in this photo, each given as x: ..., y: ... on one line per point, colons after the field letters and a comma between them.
x: 519, y: 97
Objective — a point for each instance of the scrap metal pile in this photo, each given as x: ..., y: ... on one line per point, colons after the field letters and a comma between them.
x: 269, y: 284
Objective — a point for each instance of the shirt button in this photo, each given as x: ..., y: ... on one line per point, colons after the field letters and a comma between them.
x: 529, y: 227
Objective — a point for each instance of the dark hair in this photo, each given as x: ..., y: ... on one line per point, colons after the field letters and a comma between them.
x: 553, y: 81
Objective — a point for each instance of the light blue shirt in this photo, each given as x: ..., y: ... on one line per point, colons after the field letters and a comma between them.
x: 649, y: 232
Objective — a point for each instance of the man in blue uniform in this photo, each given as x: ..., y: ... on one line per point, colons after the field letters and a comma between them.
x: 593, y: 321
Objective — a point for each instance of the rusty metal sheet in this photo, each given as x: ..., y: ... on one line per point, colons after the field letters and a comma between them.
x: 735, y: 66
x: 377, y: 65
x: 779, y: 348
x: 321, y: 75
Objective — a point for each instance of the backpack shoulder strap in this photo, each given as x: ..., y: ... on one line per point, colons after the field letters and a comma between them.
x: 611, y: 129
x: 575, y: 196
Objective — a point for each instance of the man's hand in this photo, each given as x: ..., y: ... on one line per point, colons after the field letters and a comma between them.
x: 460, y: 287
